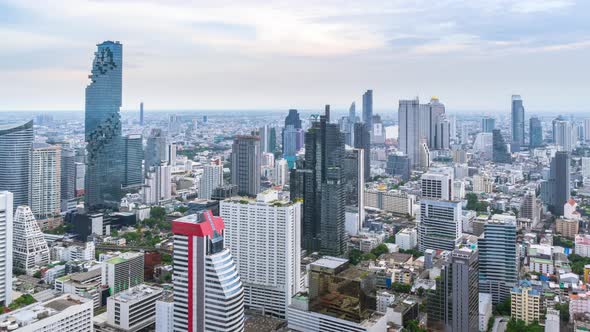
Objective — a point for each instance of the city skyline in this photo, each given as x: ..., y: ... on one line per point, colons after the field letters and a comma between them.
x: 281, y: 56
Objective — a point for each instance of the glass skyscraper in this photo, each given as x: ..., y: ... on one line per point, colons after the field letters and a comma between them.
x: 535, y: 132
x: 16, y: 145
x: 517, y: 123
x: 105, y: 161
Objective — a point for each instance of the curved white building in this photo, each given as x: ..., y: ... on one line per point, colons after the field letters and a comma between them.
x: 30, y: 248
x: 208, y: 292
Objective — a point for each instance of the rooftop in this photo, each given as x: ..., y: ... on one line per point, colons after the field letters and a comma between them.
x: 39, y: 311
x: 137, y: 293
x: 330, y: 262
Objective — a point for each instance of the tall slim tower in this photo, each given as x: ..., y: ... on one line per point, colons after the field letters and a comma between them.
x: 133, y: 161
x: 212, y: 178
x: 565, y: 136
x: 6, y: 225
x: 354, y: 165
x: 517, y: 123
x: 535, y: 132
x: 362, y: 140
x: 68, y: 175
x: 205, y: 277
x: 141, y: 113
x: 368, y: 108
x: 488, y: 124
x: 105, y: 161
x: 500, y: 152
x: 46, y: 180
x: 246, y: 164
x: 16, y: 144
x: 556, y: 191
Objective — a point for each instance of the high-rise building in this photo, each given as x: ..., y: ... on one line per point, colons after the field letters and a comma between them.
x: 46, y: 181
x: 530, y: 208
x: 526, y: 302
x: 535, y: 132
x: 377, y: 130
x: 484, y: 145
x: 556, y: 191
x: 133, y: 161
x: 68, y: 176
x: 133, y: 309
x: 355, y: 184
x: 122, y: 272
x: 281, y: 174
x: 438, y: 184
x: 362, y: 140
x: 500, y: 151
x: 454, y: 304
x: 440, y: 226
x: 409, y: 135
x: 398, y: 165
x: 158, y: 184
x: 6, y: 227
x: 270, y: 270
x: 587, y: 130
x: 105, y: 160
x: 202, y: 265
x: 141, y: 113
x: 212, y: 178
x: 266, y: 139
x: 165, y: 313
x: 30, y: 248
x: 292, y: 136
x: 16, y: 144
x: 156, y: 148
x: 498, y: 258
x: 320, y: 183
x: 517, y: 123
x: 565, y: 135
x: 488, y: 124
x: 368, y: 108
x: 245, y: 165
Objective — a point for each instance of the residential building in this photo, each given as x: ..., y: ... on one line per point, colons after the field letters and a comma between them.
x: 440, y: 226
x: 133, y: 309
x: 398, y: 165
x: 6, y: 240
x: 498, y: 258
x: 264, y: 235
x: 552, y: 320
x: 212, y: 178
x: 281, y: 172
x: 565, y: 135
x: 535, y: 132
x: 517, y: 123
x: 64, y: 313
x: 567, y: 228
x: 483, y: 184
x: 16, y: 144
x: 530, y: 207
x: 123, y: 271
x: 484, y: 145
x: 165, y: 313
x: 158, y: 184
x: 437, y: 184
x: 582, y: 245
x: 29, y: 249
x: 245, y: 165
x: 368, y: 108
x: 68, y: 177
x: 105, y: 160
x: 46, y: 181
x: 202, y: 264
x: 525, y: 303
x: 488, y: 124
x: 156, y: 148
x: 396, y: 202
x: 485, y: 310
x: 407, y: 238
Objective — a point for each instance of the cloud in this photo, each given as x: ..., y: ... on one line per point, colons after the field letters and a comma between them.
x: 538, y: 6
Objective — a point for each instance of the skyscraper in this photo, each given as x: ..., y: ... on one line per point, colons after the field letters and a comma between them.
x: 368, y: 108
x: 68, y: 176
x: 133, y: 161
x: 212, y: 178
x: 245, y: 165
x: 517, y: 123
x: 30, y: 248
x: 355, y: 184
x: 362, y: 140
x: 6, y: 227
x: 205, y: 277
x: 105, y: 162
x: 498, y: 259
x: 141, y: 113
x: 377, y: 130
x: 535, y: 132
x: 586, y: 130
x: 46, y: 180
x: 530, y: 207
x: 156, y: 148
x: 565, y: 135
x: 409, y: 136
x: 499, y: 150
x: 16, y: 144
x: 269, y: 270
x: 556, y: 191
x: 440, y: 226
x: 266, y: 138
x: 398, y: 165
x: 488, y: 124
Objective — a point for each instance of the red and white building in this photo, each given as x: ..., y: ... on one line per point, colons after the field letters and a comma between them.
x: 208, y: 291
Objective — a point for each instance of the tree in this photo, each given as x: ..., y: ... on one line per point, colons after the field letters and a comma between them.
x: 158, y: 212
x: 355, y: 256
x: 380, y: 250
x: 520, y: 326
x: 413, y: 326
x: 369, y: 257
x: 564, y: 311
x: 401, y: 288
x: 503, y: 308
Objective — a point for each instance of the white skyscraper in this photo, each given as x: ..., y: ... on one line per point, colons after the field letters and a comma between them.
x: 265, y: 238
x: 6, y: 242
x: 438, y: 184
x: 565, y: 136
x: 587, y: 130
x: 586, y: 167
x: 46, y: 180
x: 212, y: 178
x: 30, y: 248
x: 208, y: 292
x: 158, y: 184
x: 483, y: 145
x: 281, y: 172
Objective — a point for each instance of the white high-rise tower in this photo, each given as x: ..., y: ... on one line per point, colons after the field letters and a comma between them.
x: 30, y: 248
x: 6, y: 206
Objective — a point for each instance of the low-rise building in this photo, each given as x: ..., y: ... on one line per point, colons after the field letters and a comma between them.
x: 567, y: 227
x: 407, y: 238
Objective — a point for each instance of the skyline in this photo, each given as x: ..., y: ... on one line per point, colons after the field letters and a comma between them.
x: 474, y: 56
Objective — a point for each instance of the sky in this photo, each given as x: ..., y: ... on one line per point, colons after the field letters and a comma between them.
x: 276, y: 55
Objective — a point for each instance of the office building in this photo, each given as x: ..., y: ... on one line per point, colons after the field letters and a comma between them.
x: 362, y: 140
x: 105, y: 160
x: 68, y: 176
x: 354, y: 186
x: 165, y: 313
x: 123, y: 271
x: 454, y: 304
x: 245, y: 165
x: 264, y: 235
x: 587, y: 130
x: 556, y: 191
x: 83, y: 284
x: 141, y: 114
x: 64, y: 313
x: 437, y: 184
x: 281, y: 172
x: 368, y: 108
x: 156, y: 149
x: 157, y: 184
x: 133, y: 309
x: 407, y: 238
x: 133, y: 161
x: 320, y: 183
x: 46, y: 181
x: 377, y: 130
x: 398, y: 165
x: 535, y: 132
x: 530, y: 207
x: 409, y: 134
x: 202, y: 263
x: 517, y: 123
x: 565, y: 135
x: 266, y: 139
x: 16, y: 144
x: 525, y: 303
x: 396, y: 202
x: 500, y: 152
x: 488, y: 124
x: 483, y: 145
x: 498, y: 258
x: 80, y: 178
x: 440, y: 226
x: 212, y: 178
x: 29, y: 249
x: 6, y: 256
x: 292, y: 137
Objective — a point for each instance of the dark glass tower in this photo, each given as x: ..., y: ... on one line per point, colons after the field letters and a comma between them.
x: 368, y: 108
x: 488, y: 124
x: 105, y: 162
x: 535, y: 132
x: 245, y: 165
x: 362, y: 140
x: 499, y: 149
x: 133, y: 160
x: 556, y: 191
x: 16, y: 145
x: 517, y: 123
